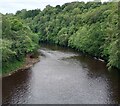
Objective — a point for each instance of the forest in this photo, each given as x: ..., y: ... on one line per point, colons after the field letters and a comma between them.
x: 91, y: 28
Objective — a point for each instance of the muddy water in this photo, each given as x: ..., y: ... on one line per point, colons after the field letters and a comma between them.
x: 63, y: 76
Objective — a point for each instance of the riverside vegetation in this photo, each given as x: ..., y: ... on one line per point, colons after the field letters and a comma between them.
x: 91, y: 28
x: 17, y: 41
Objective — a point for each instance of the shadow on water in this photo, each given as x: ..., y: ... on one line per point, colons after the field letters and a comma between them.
x: 97, y: 69
x: 56, y: 48
x: 15, y: 88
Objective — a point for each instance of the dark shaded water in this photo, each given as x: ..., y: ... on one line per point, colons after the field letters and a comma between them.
x: 61, y: 77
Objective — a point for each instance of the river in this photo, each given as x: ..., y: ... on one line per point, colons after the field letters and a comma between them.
x: 63, y: 76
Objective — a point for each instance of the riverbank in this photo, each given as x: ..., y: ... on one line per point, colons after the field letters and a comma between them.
x: 28, y: 63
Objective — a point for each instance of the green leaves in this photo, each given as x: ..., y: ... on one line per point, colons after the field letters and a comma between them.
x: 16, y: 25
x: 90, y: 27
x: 7, y: 52
x: 114, y: 58
x: 18, y: 40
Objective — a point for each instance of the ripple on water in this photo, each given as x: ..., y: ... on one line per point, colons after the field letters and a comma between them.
x: 62, y: 76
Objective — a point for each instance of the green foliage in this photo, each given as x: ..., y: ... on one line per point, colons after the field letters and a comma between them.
x: 62, y: 37
x: 6, y: 50
x: 27, y: 14
x: 17, y: 41
x: 12, y: 66
x: 90, y: 27
x: 114, y: 58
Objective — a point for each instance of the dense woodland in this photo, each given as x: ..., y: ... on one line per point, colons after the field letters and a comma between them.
x: 90, y: 28
x: 17, y: 41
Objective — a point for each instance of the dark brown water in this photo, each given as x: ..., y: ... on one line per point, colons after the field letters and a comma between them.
x: 63, y: 77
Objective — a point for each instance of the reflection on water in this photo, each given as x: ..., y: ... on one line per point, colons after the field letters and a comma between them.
x: 63, y: 76
x: 97, y: 70
x: 16, y: 88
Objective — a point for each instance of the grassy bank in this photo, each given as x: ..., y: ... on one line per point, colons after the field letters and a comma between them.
x: 12, y: 66
x: 15, y: 66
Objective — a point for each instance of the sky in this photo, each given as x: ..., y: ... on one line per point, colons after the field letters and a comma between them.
x: 11, y: 6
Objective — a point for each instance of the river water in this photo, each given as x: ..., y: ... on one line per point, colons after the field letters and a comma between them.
x: 63, y: 76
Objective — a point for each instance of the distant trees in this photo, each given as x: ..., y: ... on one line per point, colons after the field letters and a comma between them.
x: 27, y: 14
x: 90, y: 27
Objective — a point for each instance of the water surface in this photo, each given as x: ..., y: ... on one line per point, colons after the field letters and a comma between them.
x: 63, y: 76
